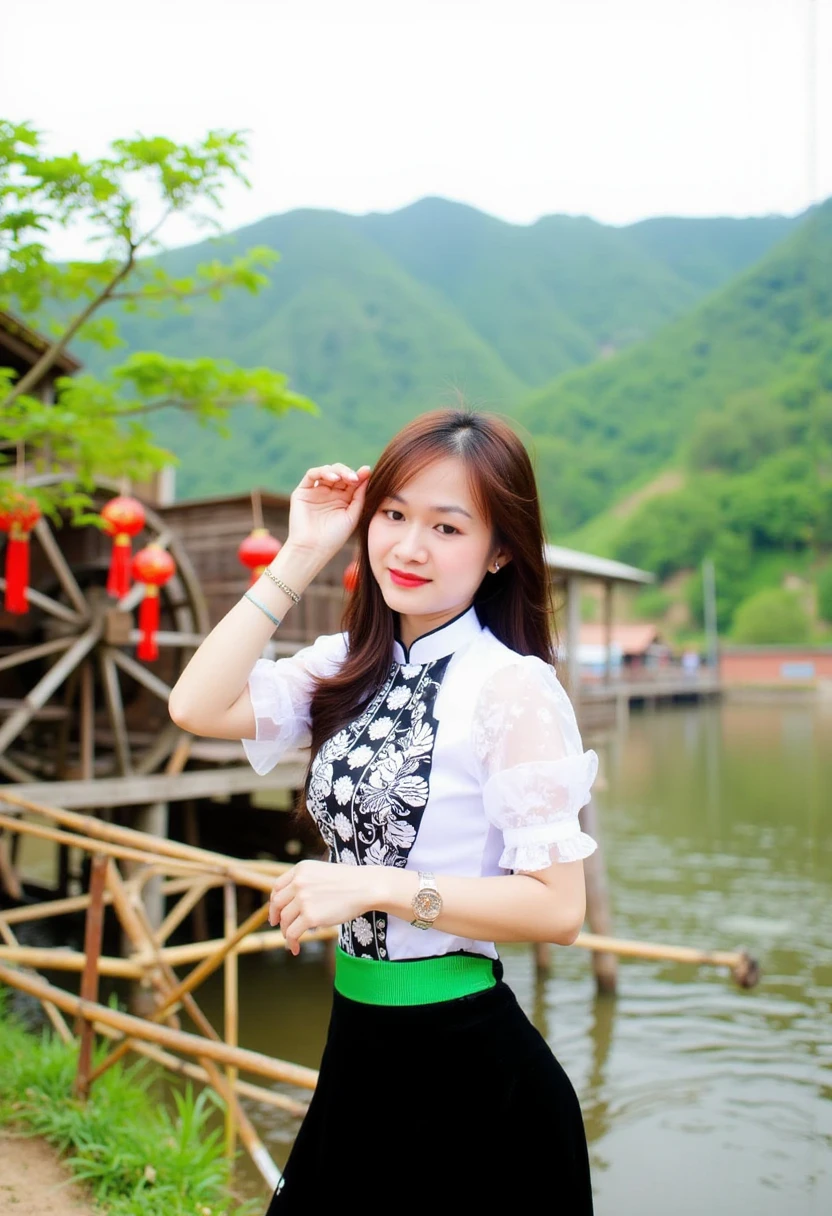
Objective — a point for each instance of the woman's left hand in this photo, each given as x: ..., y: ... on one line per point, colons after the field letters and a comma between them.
x: 315, y: 894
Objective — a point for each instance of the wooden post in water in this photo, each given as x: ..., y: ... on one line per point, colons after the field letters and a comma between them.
x: 608, y: 592
x: 604, y: 965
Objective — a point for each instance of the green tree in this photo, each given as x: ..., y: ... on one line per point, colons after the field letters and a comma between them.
x: 773, y: 616
x: 825, y: 594
x: 670, y: 532
x: 733, y: 559
x: 97, y: 425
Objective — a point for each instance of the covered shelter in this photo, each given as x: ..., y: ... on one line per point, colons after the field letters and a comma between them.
x: 569, y: 570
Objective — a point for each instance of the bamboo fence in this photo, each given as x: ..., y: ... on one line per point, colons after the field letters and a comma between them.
x: 187, y: 873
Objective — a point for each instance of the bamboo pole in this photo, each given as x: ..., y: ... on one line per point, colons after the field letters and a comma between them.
x: 57, y: 958
x: 45, y: 958
x: 209, y: 965
x: 177, y: 1040
x: 254, y: 943
x: 89, y: 980
x: 79, y: 903
x: 240, y: 872
x: 743, y: 967
x: 231, y: 1018
x: 178, y: 913
x: 137, y: 925
x: 115, y: 850
x: 55, y: 1016
x: 9, y: 879
x: 245, y: 1089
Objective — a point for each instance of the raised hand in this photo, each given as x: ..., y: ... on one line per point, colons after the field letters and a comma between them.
x: 325, y: 507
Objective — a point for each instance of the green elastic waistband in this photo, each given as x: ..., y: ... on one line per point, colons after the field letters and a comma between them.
x: 422, y: 981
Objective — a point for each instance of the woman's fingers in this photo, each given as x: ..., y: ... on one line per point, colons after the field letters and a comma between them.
x: 281, y: 894
x: 332, y: 476
x: 292, y: 925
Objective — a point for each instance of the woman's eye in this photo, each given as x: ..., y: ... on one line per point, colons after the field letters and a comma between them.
x: 391, y: 513
x: 452, y: 531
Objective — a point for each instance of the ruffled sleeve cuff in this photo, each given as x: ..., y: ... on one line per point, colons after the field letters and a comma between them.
x: 535, y: 848
x: 278, y: 727
x: 536, y: 807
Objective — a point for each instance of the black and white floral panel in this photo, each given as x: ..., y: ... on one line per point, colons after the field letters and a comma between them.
x: 368, y: 787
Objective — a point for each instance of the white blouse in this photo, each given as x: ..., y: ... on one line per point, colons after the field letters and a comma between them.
x: 468, y: 762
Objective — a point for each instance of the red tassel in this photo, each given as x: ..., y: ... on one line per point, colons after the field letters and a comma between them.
x: 118, y: 580
x: 17, y: 572
x: 148, y: 648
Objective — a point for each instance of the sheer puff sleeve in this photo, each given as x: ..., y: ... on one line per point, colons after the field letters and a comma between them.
x: 281, y: 692
x: 536, y: 774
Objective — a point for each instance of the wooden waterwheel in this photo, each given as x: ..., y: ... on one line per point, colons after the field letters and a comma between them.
x: 75, y: 703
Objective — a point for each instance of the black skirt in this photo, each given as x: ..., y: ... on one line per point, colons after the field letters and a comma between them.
x: 422, y: 1107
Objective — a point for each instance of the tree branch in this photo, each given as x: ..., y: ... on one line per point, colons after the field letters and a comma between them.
x: 49, y: 357
x: 166, y: 293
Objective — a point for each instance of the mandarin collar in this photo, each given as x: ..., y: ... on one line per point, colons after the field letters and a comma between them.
x: 442, y: 641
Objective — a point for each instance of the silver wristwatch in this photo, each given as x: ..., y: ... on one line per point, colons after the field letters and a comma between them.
x: 426, y: 903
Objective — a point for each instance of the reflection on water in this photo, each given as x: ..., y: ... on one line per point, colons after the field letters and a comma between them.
x: 698, y: 1097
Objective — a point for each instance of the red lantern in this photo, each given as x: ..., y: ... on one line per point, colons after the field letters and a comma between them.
x: 257, y: 550
x: 124, y: 518
x: 152, y: 566
x: 18, y: 518
x: 350, y: 576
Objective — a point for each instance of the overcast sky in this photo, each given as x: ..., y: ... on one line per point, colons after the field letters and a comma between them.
x: 618, y: 109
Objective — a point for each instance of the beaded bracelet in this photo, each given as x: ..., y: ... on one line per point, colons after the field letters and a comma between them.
x: 275, y: 620
x: 278, y: 582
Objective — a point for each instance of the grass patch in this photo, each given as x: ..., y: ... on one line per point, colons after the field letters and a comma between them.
x: 135, y: 1155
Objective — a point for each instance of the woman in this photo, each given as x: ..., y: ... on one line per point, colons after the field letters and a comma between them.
x: 446, y: 777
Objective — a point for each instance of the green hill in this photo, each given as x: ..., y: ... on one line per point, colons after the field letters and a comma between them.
x: 607, y: 427
x: 714, y: 439
x: 709, y: 252
x: 380, y: 317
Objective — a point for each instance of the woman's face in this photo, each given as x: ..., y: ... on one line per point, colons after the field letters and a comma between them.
x: 430, y: 547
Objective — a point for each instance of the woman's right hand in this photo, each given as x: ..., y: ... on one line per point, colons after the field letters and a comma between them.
x: 325, y: 507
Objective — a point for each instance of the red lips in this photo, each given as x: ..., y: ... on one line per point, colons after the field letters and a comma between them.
x: 407, y: 580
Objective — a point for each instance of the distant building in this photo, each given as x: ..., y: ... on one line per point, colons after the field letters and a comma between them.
x: 776, y: 666
x: 631, y: 647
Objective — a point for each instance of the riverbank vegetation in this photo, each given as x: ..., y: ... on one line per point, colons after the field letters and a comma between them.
x: 136, y: 1154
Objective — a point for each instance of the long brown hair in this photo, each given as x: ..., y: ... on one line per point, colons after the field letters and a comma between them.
x: 514, y: 604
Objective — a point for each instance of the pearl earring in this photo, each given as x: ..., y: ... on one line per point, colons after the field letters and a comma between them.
x: 496, y: 567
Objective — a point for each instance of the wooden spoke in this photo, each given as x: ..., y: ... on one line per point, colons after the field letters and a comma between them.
x: 87, y: 722
x: 173, y: 745
x: 45, y: 687
x: 49, y: 605
x: 170, y: 637
x: 127, y: 663
x: 8, y: 766
x: 115, y: 708
x: 110, y: 709
x: 61, y: 567
x: 25, y: 654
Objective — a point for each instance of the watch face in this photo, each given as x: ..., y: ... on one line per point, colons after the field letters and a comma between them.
x: 427, y: 904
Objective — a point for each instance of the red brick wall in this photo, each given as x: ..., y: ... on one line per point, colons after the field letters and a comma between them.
x: 775, y: 664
